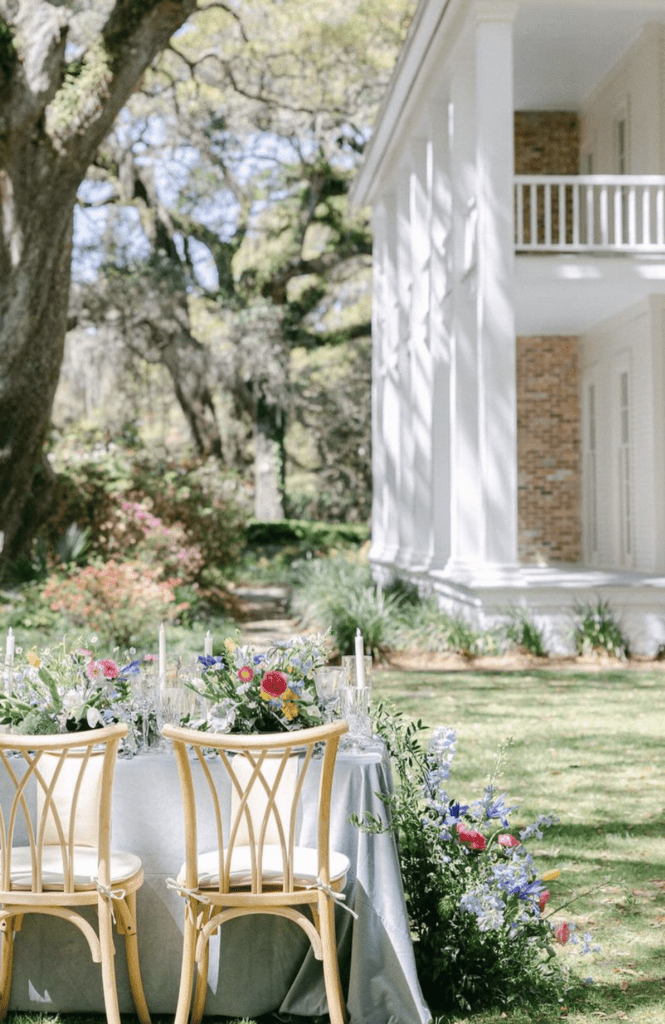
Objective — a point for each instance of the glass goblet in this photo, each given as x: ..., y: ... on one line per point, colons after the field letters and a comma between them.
x: 330, y: 680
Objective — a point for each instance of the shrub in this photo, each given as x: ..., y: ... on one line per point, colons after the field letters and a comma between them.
x: 521, y: 632
x: 426, y: 628
x: 598, y: 633
x: 193, y: 495
x: 120, y: 602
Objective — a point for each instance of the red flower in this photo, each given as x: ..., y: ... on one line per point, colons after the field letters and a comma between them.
x: 274, y: 683
x: 469, y: 836
x: 562, y: 933
x: 544, y: 896
x: 245, y: 674
x: 506, y: 840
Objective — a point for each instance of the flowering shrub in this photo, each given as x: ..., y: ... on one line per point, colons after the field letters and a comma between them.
x: 271, y: 692
x: 139, y: 535
x: 478, y: 905
x: 65, y: 689
x: 120, y: 602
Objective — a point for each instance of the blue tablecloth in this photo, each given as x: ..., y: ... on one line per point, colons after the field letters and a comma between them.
x: 257, y: 965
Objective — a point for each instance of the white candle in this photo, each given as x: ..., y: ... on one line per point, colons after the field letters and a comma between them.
x: 162, y: 657
x: 207, y: 647
x: 360, y: 661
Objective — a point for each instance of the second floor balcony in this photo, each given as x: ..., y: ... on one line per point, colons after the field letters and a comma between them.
x: 594, y: 213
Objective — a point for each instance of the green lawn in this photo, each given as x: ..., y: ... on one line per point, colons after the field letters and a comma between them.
x: 588, y: 747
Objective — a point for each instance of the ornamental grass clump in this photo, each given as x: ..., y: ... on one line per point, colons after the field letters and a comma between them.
x: 480, y: 909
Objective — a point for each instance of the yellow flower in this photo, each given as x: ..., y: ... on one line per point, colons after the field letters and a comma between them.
x: 33, y: 659
x: 550, y: 876
x: 230, y: 645
x: 289, y: 710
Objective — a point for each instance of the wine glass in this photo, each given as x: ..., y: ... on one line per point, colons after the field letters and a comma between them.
x: 330, y: 681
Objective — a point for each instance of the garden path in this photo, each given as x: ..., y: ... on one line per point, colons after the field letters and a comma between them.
x: 261, y: 612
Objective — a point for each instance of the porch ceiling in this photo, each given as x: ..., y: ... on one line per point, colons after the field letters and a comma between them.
x: 564, y: 50
x: 570, y: 294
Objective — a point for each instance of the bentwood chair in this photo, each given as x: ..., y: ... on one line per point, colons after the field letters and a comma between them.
x: 55, y: 850
x: 257, y: 866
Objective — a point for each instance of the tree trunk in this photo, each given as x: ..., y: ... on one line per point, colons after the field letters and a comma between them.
x: 51, y: 125
x: 269, y: 463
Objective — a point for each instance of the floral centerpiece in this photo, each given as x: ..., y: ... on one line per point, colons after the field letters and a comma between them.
x: 481, y: 910
x: 272, y: 691
x: 65, y: 688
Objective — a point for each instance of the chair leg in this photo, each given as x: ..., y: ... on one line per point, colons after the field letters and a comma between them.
x: 6, y: 964
x: 133, y: 964
x: 108, y: 961
x: 201, y: 989
x: 187, y: 969
x: 334, y: 994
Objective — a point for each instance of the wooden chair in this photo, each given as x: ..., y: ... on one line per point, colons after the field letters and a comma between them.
x: 257, y: 867
x: 55, y: 850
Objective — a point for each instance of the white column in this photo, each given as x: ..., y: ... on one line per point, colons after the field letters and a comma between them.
x: 389, y: 425
x: 440, y: 328
x: 406, y: 438
x: 495, y: 253
x: 420, y: 203
x: 465, y: 481
x: 380, y: 300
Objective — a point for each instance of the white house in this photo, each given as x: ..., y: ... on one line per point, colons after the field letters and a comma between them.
x: 516, y: 176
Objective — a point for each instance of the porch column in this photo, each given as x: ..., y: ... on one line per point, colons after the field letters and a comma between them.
x: 495, y: 254
x: 406, y: 444
x: 422, y: 398
x: 440, y: 329
x: 385, y: 386
x: 380, y: 300
x: 465, y: 482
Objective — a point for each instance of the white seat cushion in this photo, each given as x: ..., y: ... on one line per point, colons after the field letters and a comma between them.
x: 304, y: 867
x: 123, y: 867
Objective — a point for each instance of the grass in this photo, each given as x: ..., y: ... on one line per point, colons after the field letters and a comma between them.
x: 589, y: 747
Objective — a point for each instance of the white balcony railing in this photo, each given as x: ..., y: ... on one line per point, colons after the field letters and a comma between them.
x: 590, y: 212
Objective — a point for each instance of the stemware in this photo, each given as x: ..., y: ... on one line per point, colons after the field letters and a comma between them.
x: 330, y: 681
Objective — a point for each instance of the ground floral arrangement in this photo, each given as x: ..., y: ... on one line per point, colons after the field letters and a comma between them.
x: 248, y: 691
x: 480, y: 910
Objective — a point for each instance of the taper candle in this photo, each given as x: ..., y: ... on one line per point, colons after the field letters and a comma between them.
x: 360, y: 661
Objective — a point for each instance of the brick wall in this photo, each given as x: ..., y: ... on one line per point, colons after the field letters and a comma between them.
x: 547, y: 142
x: 548, y: 450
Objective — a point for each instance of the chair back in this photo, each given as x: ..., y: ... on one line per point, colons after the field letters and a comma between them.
x: 257, y: 829
x: 55, y: 800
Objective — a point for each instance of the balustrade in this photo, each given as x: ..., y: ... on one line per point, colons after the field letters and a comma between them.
x: 590, y: 212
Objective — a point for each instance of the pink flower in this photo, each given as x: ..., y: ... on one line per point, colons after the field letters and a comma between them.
x: 274, y: 683
x: 109, y: 668
x: 562, y: 933
x: 246, y: 674
x: 544, y: 896
x: 471, y: 837
x: 506, y: 840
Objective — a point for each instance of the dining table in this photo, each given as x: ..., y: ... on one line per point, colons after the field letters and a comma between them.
x: 258, y: 965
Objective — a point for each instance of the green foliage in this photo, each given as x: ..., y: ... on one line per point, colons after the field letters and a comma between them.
x: 425, y: 627
x: 341, y: 594
x: 598, y: 632
x: 520, y: 631
x: 119, y: 602
x: 309, y: 536
x: 194, y: 502
x: 475, y: 901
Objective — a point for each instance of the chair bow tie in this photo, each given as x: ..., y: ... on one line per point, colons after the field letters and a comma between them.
x: 339, y: 897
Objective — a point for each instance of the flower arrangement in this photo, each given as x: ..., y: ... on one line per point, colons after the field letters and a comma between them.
x: 479, y: 906
x: 251, y: 692
x: 65, y: 688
